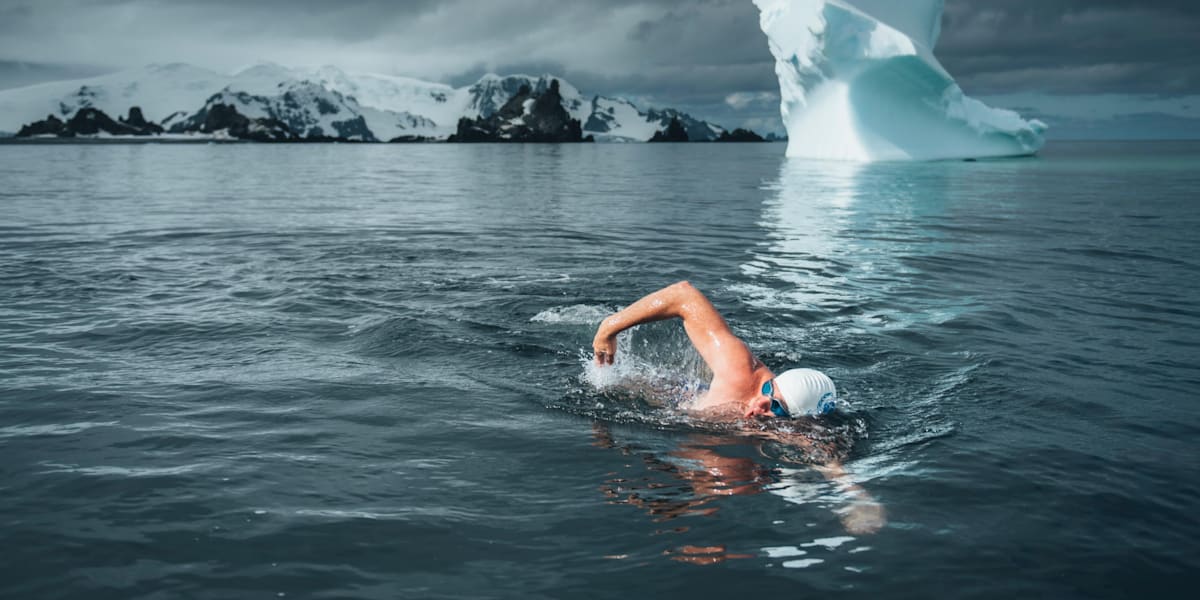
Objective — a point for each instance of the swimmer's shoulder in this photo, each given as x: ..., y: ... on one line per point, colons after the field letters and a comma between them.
x: 716, y: 400
x: 727, y: 397
x: 724, y: 411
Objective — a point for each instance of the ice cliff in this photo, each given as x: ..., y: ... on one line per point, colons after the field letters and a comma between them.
x: 858, y: 81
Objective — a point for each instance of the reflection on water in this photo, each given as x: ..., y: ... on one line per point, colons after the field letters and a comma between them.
x: 831, y: 230
x: 684, y: 482
x: 841, y: 271
x: 690, y: 479
x: 703, y: 473
x: 235, y: 376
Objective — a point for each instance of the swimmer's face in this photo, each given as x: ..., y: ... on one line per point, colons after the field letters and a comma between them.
x: 768, y: 404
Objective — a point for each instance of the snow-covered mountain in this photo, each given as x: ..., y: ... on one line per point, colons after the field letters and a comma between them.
x: 488, y: 94
x: 322, y: 102
x: 618, y: 120
x: 696, y: 129
x: 158, y: 89
x: 311, y: 111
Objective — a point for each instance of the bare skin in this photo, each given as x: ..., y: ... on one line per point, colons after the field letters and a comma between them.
x: 738, y: 375
x: 736, y: 388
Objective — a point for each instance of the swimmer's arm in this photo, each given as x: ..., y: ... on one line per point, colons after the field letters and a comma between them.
x: 725, y: 353
x: 863, y: 514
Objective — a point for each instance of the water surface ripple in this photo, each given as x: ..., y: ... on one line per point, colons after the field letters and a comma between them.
x: 355, y: 371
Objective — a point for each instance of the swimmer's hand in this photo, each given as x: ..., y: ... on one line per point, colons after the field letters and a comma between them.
x: 863, y: 518
x: 863, y: 514
x: 605, y: 347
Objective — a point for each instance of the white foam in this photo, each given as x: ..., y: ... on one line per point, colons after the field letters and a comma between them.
x: 666, y: 370
x: 576, y: 314
x: 783, y: 551
x: 54, y: 429
x: 115, y: 471
x: 831, y: 542
x: 802, y: 563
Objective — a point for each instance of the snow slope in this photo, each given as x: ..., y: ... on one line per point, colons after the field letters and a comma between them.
x: 618, y: 120
x: 439, y: 103
x: 311, y: 110
x: 158, y: 89
x: 858, y: 81
x: 487, y: 95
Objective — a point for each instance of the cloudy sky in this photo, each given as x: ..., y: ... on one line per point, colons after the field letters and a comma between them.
x: 1083, y: 65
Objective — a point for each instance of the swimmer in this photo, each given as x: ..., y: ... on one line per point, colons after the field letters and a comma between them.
x: 742, y: 386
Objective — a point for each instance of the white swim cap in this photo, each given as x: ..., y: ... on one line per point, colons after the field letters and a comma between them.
x: 806, y: 392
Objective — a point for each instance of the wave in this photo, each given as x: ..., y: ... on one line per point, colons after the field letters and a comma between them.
x: 575, y: 314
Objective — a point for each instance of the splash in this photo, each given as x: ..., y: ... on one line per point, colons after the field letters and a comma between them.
x: 655, y: 362
x: 656, y: 376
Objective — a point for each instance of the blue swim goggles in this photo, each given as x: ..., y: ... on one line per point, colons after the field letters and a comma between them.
x: 768, y: 390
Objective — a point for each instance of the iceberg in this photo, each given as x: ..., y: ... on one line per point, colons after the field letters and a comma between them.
x: 858, y: 81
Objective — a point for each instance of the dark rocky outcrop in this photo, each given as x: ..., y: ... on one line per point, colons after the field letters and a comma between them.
x: 354, y: 129
x: 673, y: 133
x: 739, y: 135
x: 300, y: 114
x: 91, y: 121
x: 136, y: 120
x: 225, y: 117
x: 697, y: 130
x: 546, y: 121
x: 51, y: 125
x: 411, y: 139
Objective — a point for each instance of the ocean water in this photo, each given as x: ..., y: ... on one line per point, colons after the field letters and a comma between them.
x: 341, y: 371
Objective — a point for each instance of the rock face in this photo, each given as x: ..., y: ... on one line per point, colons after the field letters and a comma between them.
x: 673, y: 133
x: 51, y: 125
x: 411, y: 139
x: 301, y: 112
x: 91, y: 122
x: 217, y: 118
x: 135, y: 119
x: 697, y: 130
x: 739, y: 135
x: 492, y: 92
x: 525, y: 117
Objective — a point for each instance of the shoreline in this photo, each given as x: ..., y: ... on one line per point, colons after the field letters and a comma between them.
x: 16, y: 141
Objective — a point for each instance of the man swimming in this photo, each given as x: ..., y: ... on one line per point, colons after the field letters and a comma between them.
x: 742, y: 386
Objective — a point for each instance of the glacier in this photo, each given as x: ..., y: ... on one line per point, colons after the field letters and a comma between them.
x: 858, y: 81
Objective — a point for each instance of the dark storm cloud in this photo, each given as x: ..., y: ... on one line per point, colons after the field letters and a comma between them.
x: 674, y: 51
x: 694, y: 52
x: 1073, y: 46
